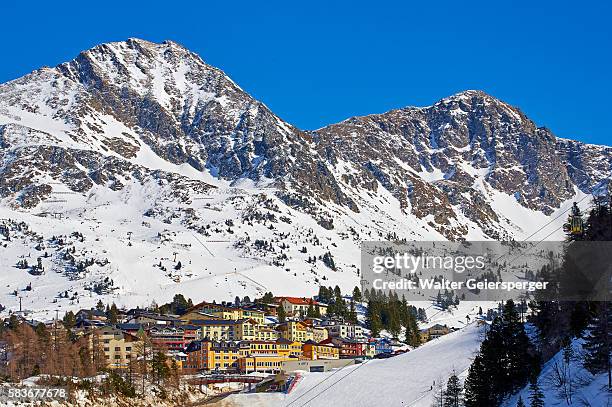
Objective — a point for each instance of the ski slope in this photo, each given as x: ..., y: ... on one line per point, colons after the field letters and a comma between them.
x: 404, y: 380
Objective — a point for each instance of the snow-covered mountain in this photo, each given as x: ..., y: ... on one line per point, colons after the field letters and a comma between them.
x: 135, y: 156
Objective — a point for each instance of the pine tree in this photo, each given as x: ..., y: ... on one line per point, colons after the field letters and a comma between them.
x: 323, y: 294
x: 336, y: 293
x: 520, y: 402
x: 536, y: 397
x: 69, y: 320
x: 268, y: 298
x: 159, y: 367
x: 331, y: 309
x: 505, y: 361
x: 328, y: 260
x: 342, y: 309
x: 366, y: 295
x: 394, y: 325
x: 373, y: 321
x: 597, y: 342
x: 13, y: 322
x: 356, y: 294
x: 352, y: 315
x: 317, y: 311
x: 310, y: 312
x: 282, y: 315
x: 178, y: 305
x: 519, y: 361
x: 338, y: 304
x: 452, y: 394
x: 408, y: 321
x: 478, y: 389
x: 566, y: 385
x: 100, y: 305
x: 113, y: 314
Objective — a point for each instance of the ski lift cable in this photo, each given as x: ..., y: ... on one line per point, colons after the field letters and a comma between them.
x: 544, y: 226
x: 545, y: 237
x: 554, y: 219
x: 331, y: 385
x: 562, y: 213
x: 318, y: 384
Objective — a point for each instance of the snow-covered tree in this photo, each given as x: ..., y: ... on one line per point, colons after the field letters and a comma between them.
x: 536, y: 397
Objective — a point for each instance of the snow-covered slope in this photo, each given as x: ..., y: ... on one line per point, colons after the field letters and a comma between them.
x: 565, y: 382
x: 404, y: 380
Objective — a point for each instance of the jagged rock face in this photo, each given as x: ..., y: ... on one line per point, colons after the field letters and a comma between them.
x: 89, y: 121
x: 185, y: 110
x: 28, y: 170
x: 441, y: 159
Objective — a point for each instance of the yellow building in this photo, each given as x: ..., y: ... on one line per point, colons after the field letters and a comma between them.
x: 227, y: 330
x: 260, y: 356
x: 291, y: 348
x: 265, y: 333
x: 313, y: 351
x: 257, y: 316
x: 246, y: 329
x: 437, y: 331
x: 265, y: 363
x: 222, y: 312
x: 119, y: 348
x: 281, y: 347
x: 207, y: 355
x: 296, y: 331
x: 319, y: 334
x: 433, y: 332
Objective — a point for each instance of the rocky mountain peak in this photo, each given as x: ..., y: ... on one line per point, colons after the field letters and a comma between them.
x: 447, y: 163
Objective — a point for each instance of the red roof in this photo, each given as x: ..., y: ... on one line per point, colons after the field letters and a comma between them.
x: 297, y: 300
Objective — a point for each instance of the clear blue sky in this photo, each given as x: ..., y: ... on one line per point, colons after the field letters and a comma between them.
x: 315, y: 63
